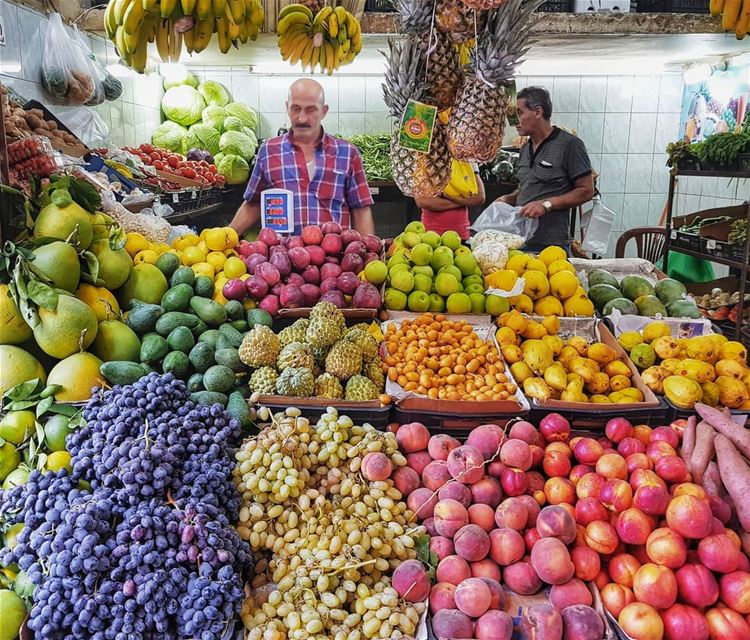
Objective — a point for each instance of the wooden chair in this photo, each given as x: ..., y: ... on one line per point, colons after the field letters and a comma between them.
x: 649, y: 242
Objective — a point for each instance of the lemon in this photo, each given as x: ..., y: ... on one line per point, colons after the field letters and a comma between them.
x: 9, y: 459
x: 234, y: 268
x: 77, y: 374
x: 58, y: 460
x: 14, y: 328
x: 101, y: 300
x: 12, y: 613
x: 192, y: 255
x: 16, y: 426
x: 221, y: 238
x: 56, y: 429
x: 17, y: 366
x: 149, y: 256
x: 135, y: 243
x: 204, y: 269
x: 216, y: 259
x: 184, y: 241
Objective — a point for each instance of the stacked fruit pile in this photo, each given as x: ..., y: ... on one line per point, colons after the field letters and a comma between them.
x: 429, y: 272
x: 444, y: 359
x: 321, y: 500
x: 709, y: 368
x: 551, y: 287
x: 550, y: 367
x: 636, y: 295
x: 318, y: 357
x: 204, y: 173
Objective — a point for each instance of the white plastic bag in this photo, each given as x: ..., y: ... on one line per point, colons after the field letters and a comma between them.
x: 500, y: 216
x: 67, y: 73
x: 597, y: 225
x: 87, y: 125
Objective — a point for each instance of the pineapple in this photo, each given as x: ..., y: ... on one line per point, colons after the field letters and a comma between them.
x: 477, y: 121
x: 415, y: 16
x: 455, y: 19
x: 416, y: 174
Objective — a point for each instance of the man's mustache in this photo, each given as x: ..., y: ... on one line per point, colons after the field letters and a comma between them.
x: 302, y: 126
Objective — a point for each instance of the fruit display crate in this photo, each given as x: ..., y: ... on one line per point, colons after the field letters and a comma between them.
x: 595, y: 417
x: 372, y: 412
x: 676, y: 412
x: 457, y: 425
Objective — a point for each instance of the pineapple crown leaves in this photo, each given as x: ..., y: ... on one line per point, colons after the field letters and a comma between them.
x: 415, y: 16
x: 404, y: 75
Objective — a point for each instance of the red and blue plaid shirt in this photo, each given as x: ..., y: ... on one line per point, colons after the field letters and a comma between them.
x: 338, y: 187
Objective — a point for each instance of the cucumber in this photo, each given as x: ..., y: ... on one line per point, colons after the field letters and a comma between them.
x: 173, y: 319
x: 218, y: 378
x: 230, y: 358
x: 181, y: 339
x: 210, y: 337
x: 203, y: 287
x: 231, y: 334
x: 143, y: 318
x: 122, y: 372
x: 210, y: 311
x: 235, y: 310
x: 177, y: 298
x: 201, y: 356
x: 237, y: 408
x: 177, y: 363
x: 153, y: 348
x: 209, y: 398
x: 199, y: 328
x: 222, y: 343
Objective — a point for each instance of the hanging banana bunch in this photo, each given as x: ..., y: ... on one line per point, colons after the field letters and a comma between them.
x: 735, y: 15
x: 170, y: 24
x: 326, y: 40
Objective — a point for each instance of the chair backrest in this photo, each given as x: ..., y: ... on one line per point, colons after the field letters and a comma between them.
x: 649, y: 242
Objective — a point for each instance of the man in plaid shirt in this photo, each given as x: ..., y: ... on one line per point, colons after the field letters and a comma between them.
x: 324, y: 173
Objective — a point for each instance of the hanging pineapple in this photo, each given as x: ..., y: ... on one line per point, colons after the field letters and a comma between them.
x: 477, y: 121
x: 415, y: 174
x: 457, y: 20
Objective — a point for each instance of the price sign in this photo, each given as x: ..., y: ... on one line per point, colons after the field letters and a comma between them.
x: 277, y: 210
x: 673, y: 235
x: 175, y: 197
x: 710, y: 244
x: 193, y: 194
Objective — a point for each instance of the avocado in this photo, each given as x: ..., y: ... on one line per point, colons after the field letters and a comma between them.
x: 235, y: 310
x: 259, y: 316
x: 240, y: 325
x: 183, y: 275
x: 231, y: 334
x: 211, y: 312
x: 181, y: 339
x: 210, y: 337
x: 195, y: 383
x: 177, y: 298
x: 209, y: 398
x: 230, y: 358
x: 173, y: 319
x: 218, y: 378
x: 142, y: 317
x: 201, y: 356
x: 122, y: 372
x: 203, y: 287
x: 237, y: 408
x: 176, y: 362
x: 153, y: 348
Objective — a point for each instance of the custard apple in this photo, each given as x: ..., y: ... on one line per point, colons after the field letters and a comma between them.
x: 327, y: 325
x: 360, y: 389
x: 374, y: 371
x: 328, y: 386
x: 296, y: 382
x: 263, y: 380
x: 344, y: 360
x: 260, y: 347
x: 295, y: 354
x: 365, y: 341
x: 294, y: 332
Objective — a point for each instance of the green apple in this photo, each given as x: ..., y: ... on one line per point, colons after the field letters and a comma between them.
x: 421, y: 254
x: 473, y: 288
x: 473, y: 279
x: 450, y: 239
x: 376, y: 272
x: 466, y: 263
x: 403, y: 281
x: 495, y: 305
x: 425, y: 270
x: 441, y: 257
x: 437, y: 303
x: 446, y: 284
x: 397, y: 268
x: 463, y: 249
x: 453, y: 270
x: 477, y: 302
x: 422, y: 283
x: 395, y: 299
x: 418, y: 301
x: 415, y: 227
x: 458, y: 303
x: 398, y: 258
x: 431, y: 238
x: 411, y: 239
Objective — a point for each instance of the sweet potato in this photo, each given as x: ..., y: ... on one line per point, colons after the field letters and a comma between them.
x: 712, y: 480
x: 703, y: 451
x: 688, y: 440
x: 727, y: 427
x: 735, y: 474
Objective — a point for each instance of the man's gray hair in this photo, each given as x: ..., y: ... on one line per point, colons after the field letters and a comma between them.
x: 537, y: 97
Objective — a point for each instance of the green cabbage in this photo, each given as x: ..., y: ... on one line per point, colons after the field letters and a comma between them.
x: 251, y: 134
x: 237, y: 143
x: 179, y: 77
x: 217, y: 158
x: 170, y: 135
x: 203, y: 136
x: 232, y: 124
x: 247, y: 115
x: 233, y: 168
x: 183, y: 105
x: 214, y: 93
x: 214, y: 116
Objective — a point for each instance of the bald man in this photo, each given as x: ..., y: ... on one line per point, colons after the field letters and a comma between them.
x: 324, y: 173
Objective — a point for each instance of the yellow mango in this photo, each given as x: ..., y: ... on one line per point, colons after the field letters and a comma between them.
x: 566, y: 355
x: 618, y: 383
x: 617, y: 368
x: 635, y: 394
x: 551, y: 324
x: 599, y: 399
x: 672, y: 364
x: 696, y: 370
x: 521, y: 372
x: 702, y: 348
x: 732, y: 392
x: 537, y: 355
x: 555, y: 343
x: 654, y: 378
x: 731, y: 368
x: 601, y: 353
x: 599, y: 383
x: 506, y: 336
x: 732, y: 350
x: 555, y: 377
x: 710, y: 393
x: 584, y: 367
x: 534, y: 331
x: 683, y: 392
x: 511, y: 353
x: 654, y: 330
x: 580, y: 344
x: 665, y: 347
x: 536, y: 388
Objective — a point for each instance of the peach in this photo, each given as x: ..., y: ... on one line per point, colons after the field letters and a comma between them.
x: 667, y: 548
x: 486, y: 568
x: 697, y: 585
x: 623, y: 567
x: 559, y: 490
x: 556, y: 522
x: 452, y: 623
x: 719, y: 553
x: 452, y: 569
x: 612, y: 465
x: 588, y: 451
x: 690, y: 516
x: 720, y: 508
x: 637, y: 461
x: 506, y: 546
x: 590, y: 509
x: 601, y: 537
x: 536, y: 480
x: 539, y: 497
x: 411, y: 581
x: 725, y: 624
x: 716, y: 526
x: 406, y: 480
x: 482, y: 515
x: 556, y: 463
x: 744, y: 563
x: 672, y: 469
x: 441, y: 597
x: 652, y: 499
x: 441, y: 547
x: 628, y: 446
x: 666, y: 434
x: 656, y: 585
x: 532, y: 509
x: 735, y: 590
x: 521, y: 578
x: 656, y: 450
x: 615, y: 597
x: 586, y: 562
x: 537, y: 455
x: 642, y: 432
x: 578, y: 471
x: 440, y: 445
x: 572, y: 592
x: 487, y: 491
x: 450, y: 515
x: 466, y: 464
x: 682, y: 621
x: 516, y: 453
x: 471, y: 543
x: 617, y: 429
x: 422, y: 502
x: 734, y: 537
x: 514, y: 482
x: 639, y: 477
x: 530, y: 537
x: 554, y: 427
x: 551, y: 561
x: 472, y: 597
x: 633, y: 526
x: 455, y: 491
x: 641, y: 622
x: 429, y: 525
x: 418, y: 461
x: 581, y: 622
x: 498, y: 595
x: 376, y: 466
x: 559, y: 447
x: 412, y: 437
x: 589, y: 486
x: 616, y: 495
x: 541, y: 622
x: 496, y: 468
x: 511, y: 513
x: 525, y: 431
x: 689, y: 489
x: 494, y: 625
x: 435, y: 475
x: 487, y: 438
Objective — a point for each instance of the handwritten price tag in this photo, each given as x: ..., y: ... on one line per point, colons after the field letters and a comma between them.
x: 710, y: 244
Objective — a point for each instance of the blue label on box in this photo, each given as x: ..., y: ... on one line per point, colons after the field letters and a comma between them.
x: 277, y: 210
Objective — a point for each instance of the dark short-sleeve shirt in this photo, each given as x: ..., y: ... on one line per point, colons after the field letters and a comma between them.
x: 551, y: 171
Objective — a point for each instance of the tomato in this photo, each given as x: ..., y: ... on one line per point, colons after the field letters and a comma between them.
x: 187, y: 172
x: 159, y: 165
x: 212, y: 168
x: 173, y: 161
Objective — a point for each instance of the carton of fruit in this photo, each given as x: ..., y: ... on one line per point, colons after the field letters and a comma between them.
x: 680, y: 327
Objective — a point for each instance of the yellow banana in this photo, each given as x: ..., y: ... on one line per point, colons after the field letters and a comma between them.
x: 343, y: 35
x: 205, y: 29
x: 330, y: 59
x: 356, y: 43
x: 121, y: 6
x: 257, y: 15
x: 333, y: 25
x: 222, y: 31
x: 188, y: 7
x: 122, y: 47
x: 288, y: 43
x: 345, y: 46
x: 148, y: 5
x: 167, y: 7
x: 315, y: 57
x: 352, y: 25
x: 730, y: 15
x: 253, y: 31
x: 296, y: 53
x: 110, y: 24
x: 340, y: 14
x: 162, y: 40
x: 307, y: 53
x: 716, y: 7
x: 202, y: 9
x: 294, y: 8
x: 322, y: 16
x: 217, y: 7
x: 293, y: 18
x: 188, y: 37
x: 237, y: 9
x: 743, y: 22
x: 138, y: 59
x: 133, y: 17
x: 232, y: 27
